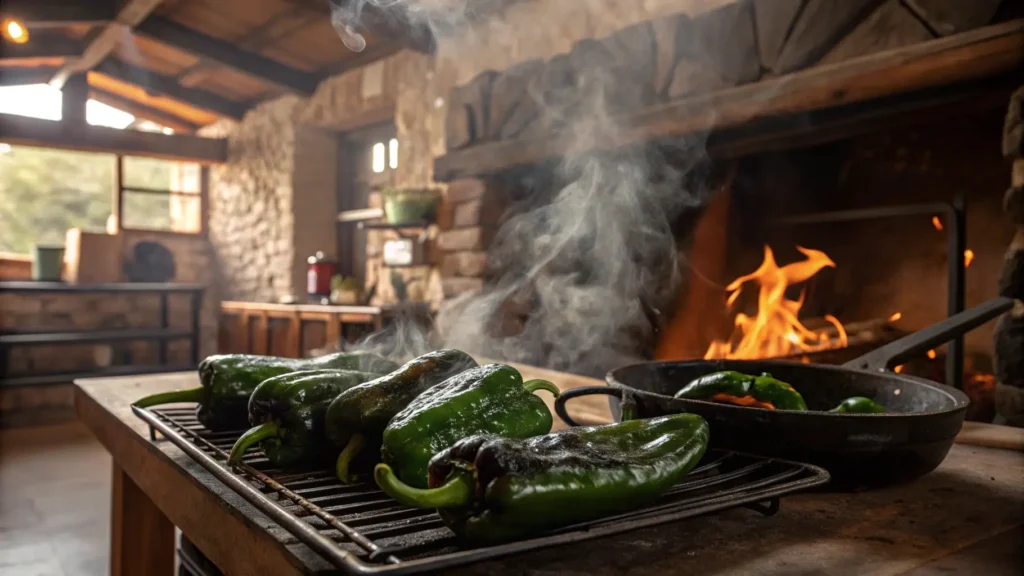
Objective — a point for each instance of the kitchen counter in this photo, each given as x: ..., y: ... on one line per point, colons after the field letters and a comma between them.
x: 966, y: 517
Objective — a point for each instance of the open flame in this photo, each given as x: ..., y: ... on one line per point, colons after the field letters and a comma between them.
x: 776, y: 329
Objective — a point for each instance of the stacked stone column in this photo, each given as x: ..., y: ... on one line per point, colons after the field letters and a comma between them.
x: 470, y: 218
x: 1009, y: 332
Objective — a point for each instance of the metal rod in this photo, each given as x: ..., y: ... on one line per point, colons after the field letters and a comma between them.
x: 956, y: 233
x: 164, y: 323
x: 197, y: 305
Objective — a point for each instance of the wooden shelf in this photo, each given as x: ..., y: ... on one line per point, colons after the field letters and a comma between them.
x: 69, y: 377
x: 971, y: 56
x: 91, y: 336
x: 360, y: 215
x: 67, y: 288
x: 386, y: 226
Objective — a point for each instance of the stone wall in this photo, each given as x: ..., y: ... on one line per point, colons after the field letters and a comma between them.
x: 1009, y: 332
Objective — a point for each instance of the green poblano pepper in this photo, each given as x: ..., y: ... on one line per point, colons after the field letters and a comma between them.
x: 490, y: 489
x: 858, y: 405
x: 742, y: 389
x: 227, y: 380
x: 490, y: 399
x: 358, y: 416
x: 287, y: 414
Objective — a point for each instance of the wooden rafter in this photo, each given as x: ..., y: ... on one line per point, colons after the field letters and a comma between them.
x: 44, y: 44
x: 139, y: 110
x: 130, y: 15
x: 25, y: 131
x: 41, y: 13
x: 263, y: 35
x: 24, y: 75
x: 227, y: 54
x: 169, y: 87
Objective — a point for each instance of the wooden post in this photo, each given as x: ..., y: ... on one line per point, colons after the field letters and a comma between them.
x: 333, y: 334
x: 74, y: 95
x: 117, y: 197
x: 141, y: 538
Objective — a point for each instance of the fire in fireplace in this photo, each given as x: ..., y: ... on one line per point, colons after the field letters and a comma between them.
x: 775, y: 330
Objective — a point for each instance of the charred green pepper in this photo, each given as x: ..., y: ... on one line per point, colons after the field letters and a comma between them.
x: 491, y: 489
x: 358, y: 416
x: 287, y: 414
x: 858, y: 405
x: 490, y: 399
x: 227, y: 380
x: 737, y: 388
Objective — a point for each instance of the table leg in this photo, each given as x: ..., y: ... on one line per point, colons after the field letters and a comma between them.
x: 142, y: 538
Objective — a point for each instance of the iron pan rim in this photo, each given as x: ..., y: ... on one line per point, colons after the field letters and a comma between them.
x: 960, y: 401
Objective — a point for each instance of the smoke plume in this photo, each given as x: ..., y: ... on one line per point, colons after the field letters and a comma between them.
x: 586, y: 255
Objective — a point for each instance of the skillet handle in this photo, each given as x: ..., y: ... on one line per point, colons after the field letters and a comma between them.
x: 905, y: 348
x: 584, y: 391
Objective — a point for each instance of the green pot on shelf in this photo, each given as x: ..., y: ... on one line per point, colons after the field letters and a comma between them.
x: 409, y: 206
x: 47, y: 263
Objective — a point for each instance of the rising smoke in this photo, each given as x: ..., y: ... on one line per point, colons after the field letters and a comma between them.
x: 587, y: 254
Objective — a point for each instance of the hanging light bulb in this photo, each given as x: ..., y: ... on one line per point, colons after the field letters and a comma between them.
x: 15, y: 31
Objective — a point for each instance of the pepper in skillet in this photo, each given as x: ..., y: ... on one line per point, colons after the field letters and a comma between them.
x: 858, y: 405
x: 742, y: 389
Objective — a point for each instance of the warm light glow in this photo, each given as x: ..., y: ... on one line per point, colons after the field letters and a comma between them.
x: 775, y: 330
x: 937, y: 223
x: 378, y: 157
x: 895, y: 317
x: 898, y: 369
x: 393, y: 153
x: 15, y: 31
x: 932, y: 354
x: 968, y: 257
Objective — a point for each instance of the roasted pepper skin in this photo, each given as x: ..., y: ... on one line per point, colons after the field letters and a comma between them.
x: 227, y: 381
x: 356, y: 419
x: 738, y: 388
x: 287, y: 415
x: 858, y: 405
x: 491, y: 489
x: 491, y: 399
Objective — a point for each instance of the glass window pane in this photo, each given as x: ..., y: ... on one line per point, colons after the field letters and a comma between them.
x: 393, y: 153
x: 147, y: 173
x: 378, y: 157
x: 146, y: 211
x: 44, y: 192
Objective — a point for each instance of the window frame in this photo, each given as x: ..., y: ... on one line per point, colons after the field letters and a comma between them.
x: 117, y: 200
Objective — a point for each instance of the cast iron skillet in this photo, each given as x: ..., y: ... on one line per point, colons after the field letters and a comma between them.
x: 921, y: 421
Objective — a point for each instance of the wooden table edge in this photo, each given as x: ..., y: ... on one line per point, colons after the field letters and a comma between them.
x: 178, y: 495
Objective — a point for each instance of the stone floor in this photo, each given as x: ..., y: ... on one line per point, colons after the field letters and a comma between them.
x: 54, y: 502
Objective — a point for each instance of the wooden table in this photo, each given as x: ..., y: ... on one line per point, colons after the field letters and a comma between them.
x: 966, y: 517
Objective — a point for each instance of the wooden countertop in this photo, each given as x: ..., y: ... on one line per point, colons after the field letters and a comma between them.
x: 966, y: 517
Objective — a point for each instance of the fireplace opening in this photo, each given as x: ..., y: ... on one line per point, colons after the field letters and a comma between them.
x: 813, y: 254
x: 821, y: 254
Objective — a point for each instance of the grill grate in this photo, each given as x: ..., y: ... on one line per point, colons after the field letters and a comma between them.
x: 362, y: 531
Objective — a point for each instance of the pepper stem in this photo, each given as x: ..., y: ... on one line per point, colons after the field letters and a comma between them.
x: 534, y: 385
x: 352, y: 449
x: 455, y: 493
x: 190, y: 395
x: 252, y: 436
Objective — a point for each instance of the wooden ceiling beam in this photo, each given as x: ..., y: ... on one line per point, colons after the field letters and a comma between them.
x: 44, y: 44
x: 139, y: 110
x: 227, y: 54
x: 263, y: 35
x: 35, y: 13
x: 24, y: 131
x: 132, y: 12
x: 25, y: 75
x: 167, y: 86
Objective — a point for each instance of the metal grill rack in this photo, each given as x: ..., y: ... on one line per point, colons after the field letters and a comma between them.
x: 362, y: 531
